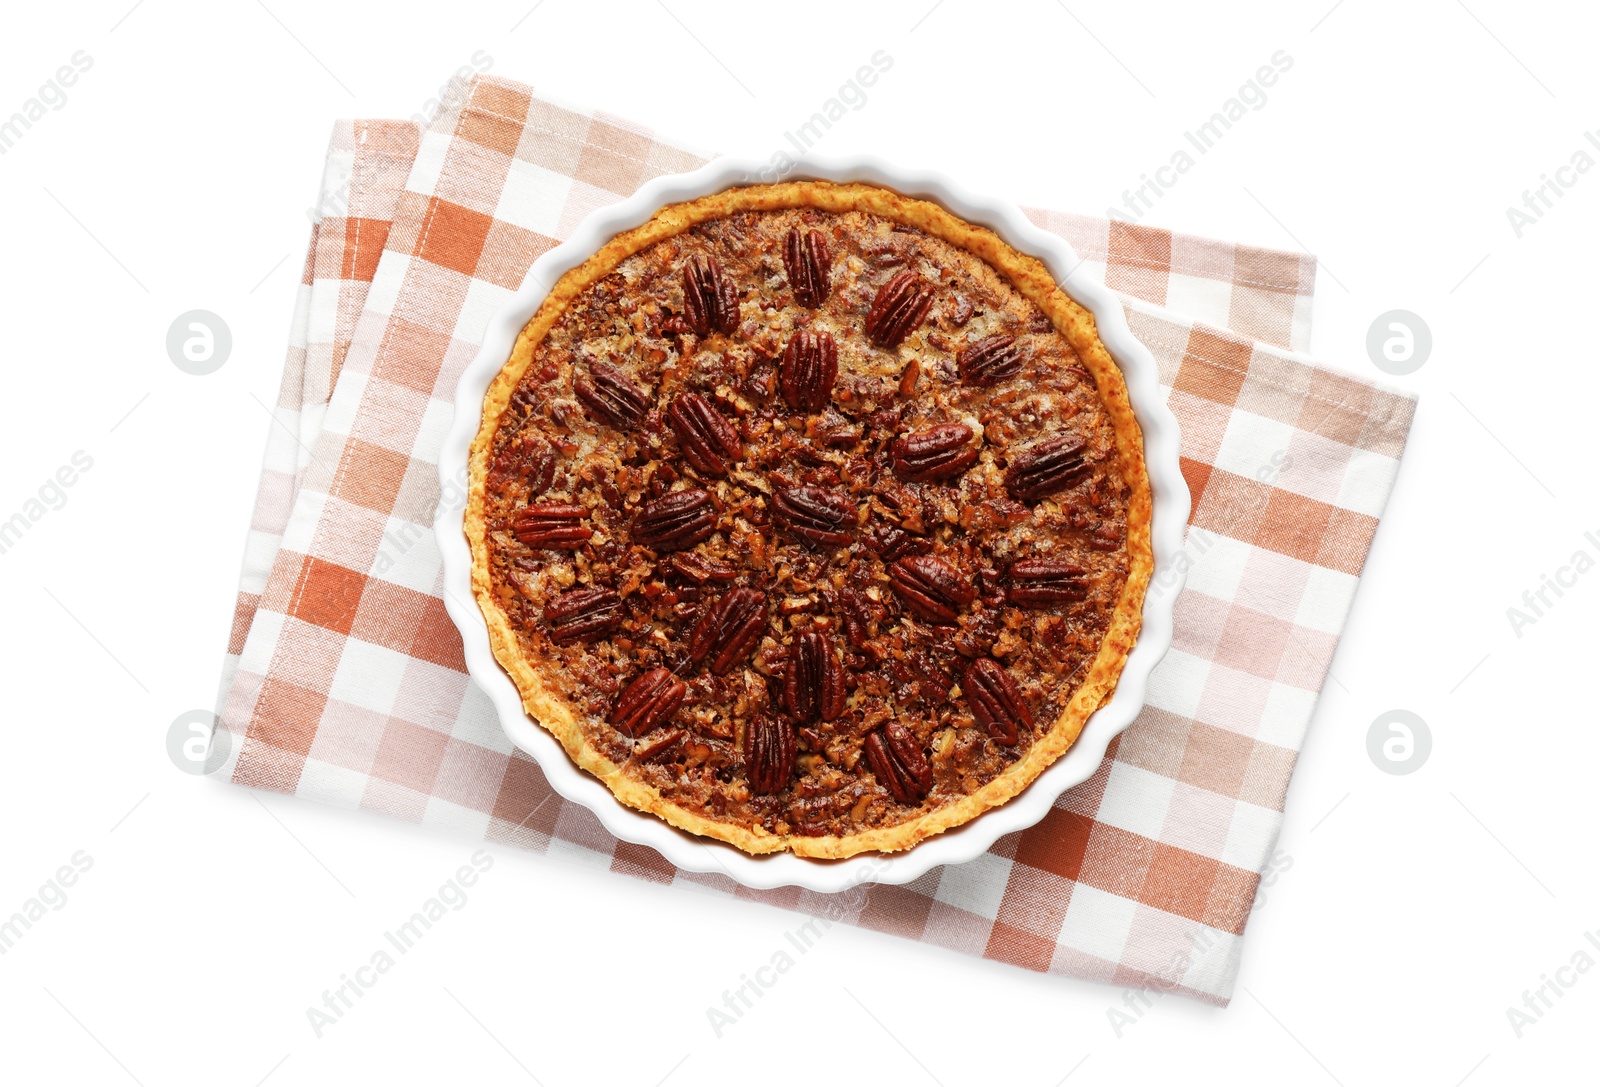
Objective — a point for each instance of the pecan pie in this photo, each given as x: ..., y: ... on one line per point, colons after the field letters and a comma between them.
x: 812, y: 517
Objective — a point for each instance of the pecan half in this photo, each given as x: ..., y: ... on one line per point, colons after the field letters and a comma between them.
x: 893, y: 544
x: 1106, y: 538
x: 898, y: 762
x: 810, y: 267
x: 729, y: 629
x: 708, y: 441
x: 939, y: 452
x: 648, y: 703
x: 896, y: 249
x: 813, y: 686
x: 658, y: 749
x: 990, y: 360
x: 699, y: 568
x: 583, y: 615
x: 841, y: 437
x: 611, y: 395
x: 855, y: 613
x: 909, y: 378
x: 709, y: 302
x: 899, y: 307
x: 769, y: 750
x: 556, y: 525
x: 814, y: 514
x: 1044, y: 583
x: 1046, y: 467
x: 931, y: 587
x: 676, y: 521
x: 961, y: 310
x: 996, y: 700
x: 809, y: 367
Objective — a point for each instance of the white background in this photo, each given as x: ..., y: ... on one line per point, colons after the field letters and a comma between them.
x: 1417, y: 909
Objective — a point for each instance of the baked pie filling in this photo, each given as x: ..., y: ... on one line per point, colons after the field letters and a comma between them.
x: 810, y: 517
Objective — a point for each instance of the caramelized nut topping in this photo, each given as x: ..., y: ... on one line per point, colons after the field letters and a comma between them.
x: 525, y: 461
x: 788, y: 581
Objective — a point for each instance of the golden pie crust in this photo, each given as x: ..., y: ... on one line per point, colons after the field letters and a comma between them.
x: 563, y: 718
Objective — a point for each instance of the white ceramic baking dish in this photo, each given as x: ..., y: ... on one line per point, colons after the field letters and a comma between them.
x: 1171, y: 512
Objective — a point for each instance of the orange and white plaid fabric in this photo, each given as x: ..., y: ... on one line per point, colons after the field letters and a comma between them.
x: 349, y: 685
x: 367, y: 166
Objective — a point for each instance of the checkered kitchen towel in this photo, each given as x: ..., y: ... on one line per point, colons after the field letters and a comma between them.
x: 350, y: 686
x: 366, y: 169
